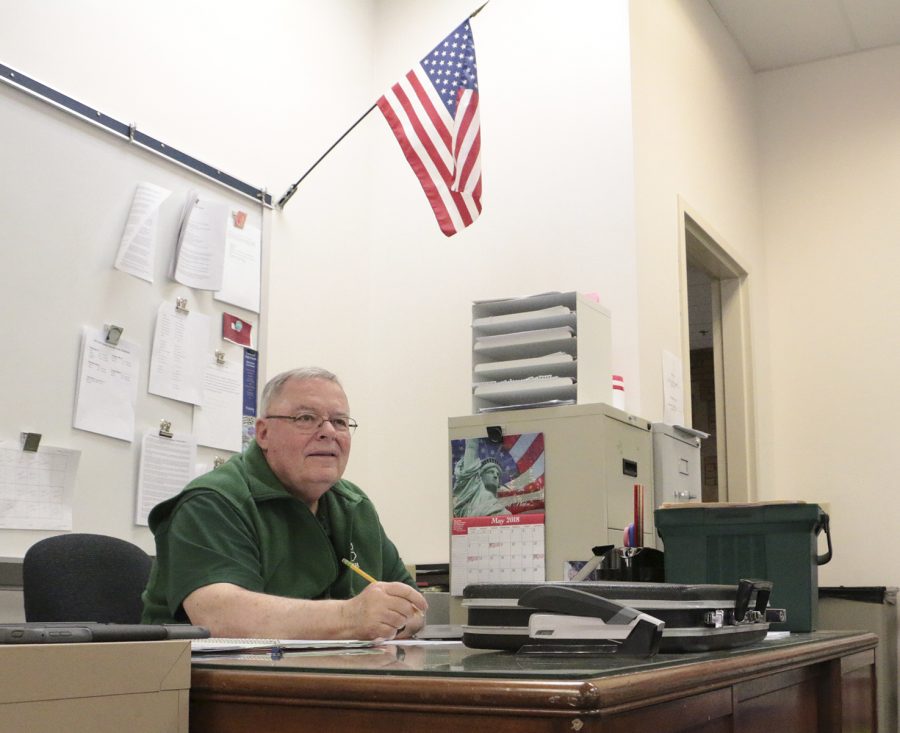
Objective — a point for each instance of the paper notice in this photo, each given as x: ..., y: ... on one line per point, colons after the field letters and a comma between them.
x: 107, y: 385
x: 167, y: 465
x: 137, y: 250
x: 218, y: 423
x: 673, y: 389
x: 178, y: 358
x: 200, y: 251
x: 37, y: 487
x: 243, y: 257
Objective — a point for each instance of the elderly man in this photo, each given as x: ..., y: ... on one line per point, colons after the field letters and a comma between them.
x: 254, y: 548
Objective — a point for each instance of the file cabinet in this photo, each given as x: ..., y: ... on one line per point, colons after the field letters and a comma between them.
x: 594, y: 454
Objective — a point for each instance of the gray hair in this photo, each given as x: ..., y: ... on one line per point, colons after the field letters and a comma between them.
x: 276, y: 384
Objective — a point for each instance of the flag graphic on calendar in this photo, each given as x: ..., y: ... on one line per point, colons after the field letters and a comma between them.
x: 498, y: 510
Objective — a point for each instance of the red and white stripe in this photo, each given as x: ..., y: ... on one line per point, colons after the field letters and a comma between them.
x: 467, y: 142
x: 525, y: 491
x: 444, y: 152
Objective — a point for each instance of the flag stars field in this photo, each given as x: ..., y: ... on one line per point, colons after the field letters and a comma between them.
x: 434, y: 114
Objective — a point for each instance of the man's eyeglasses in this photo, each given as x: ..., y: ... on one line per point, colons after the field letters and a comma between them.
x: 310, y: 422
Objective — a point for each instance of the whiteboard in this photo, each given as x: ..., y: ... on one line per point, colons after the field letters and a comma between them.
x: 65, y: 191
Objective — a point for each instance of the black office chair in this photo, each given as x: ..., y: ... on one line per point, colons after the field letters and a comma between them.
x: 84, y: 577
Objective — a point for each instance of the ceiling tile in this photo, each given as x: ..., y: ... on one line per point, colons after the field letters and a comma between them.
x: 873, y: 23
x: 777, y: 33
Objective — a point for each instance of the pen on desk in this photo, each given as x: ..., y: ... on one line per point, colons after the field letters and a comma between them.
x: 362, y: 573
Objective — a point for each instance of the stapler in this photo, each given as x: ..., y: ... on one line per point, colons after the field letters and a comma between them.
x: 567, y: 620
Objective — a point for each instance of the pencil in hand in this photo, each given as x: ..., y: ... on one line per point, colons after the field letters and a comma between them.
x: 363, y: 574
x: 358, y: 570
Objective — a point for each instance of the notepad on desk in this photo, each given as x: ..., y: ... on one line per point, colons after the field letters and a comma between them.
x: 440, y: 632
x: 222, y: 644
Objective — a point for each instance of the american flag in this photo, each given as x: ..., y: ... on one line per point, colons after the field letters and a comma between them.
x: 521, y: 461
x: 433, y: 113
x: 524, y: 492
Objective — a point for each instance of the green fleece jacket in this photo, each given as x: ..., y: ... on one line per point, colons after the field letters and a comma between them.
x: 238, y: 524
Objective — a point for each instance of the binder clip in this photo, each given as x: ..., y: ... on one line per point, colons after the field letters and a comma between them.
x: 30, y: 441
x: 495, y: 434
x: 165, y: 428
x: 220, y: 357
x: 113, y: 334
x: 181, y: 305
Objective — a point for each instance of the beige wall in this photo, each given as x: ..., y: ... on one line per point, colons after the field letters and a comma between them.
x: 695, y: 145
x: 589, y: 144
x: 831, y: 171
x: 558, y: 215
x: 359, y: 278
x: 248, y: 87
x: 235, y: 86
x: 795, y: 171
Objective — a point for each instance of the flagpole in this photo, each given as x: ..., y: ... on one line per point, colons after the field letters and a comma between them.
x: 290, y: 192
x: 479, y: 10
x: 293, y: 189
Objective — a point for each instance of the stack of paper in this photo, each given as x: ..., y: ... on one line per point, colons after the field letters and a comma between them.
x: 221, y: 644
x: 555, y: 316
x: 559, y: 363
x: 525, y: 337
x: 530, y: 389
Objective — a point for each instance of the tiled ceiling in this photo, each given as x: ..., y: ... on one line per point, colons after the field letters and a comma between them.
x: 777, y: 33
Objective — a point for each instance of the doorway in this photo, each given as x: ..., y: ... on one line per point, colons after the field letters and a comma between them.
x: 703, y: 376
x: 716, y: 338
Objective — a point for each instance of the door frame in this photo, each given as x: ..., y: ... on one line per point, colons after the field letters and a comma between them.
x: 701, y: 247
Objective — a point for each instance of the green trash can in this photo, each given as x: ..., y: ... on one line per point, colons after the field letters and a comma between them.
x: 723, y: 543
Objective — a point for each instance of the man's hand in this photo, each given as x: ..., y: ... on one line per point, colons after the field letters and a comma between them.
x: 385, y: 611
x: 381, y: 611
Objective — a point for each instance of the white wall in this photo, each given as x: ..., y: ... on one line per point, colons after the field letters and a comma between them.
x: 248, y: 87
x: 695, y: 138
x: 360, y: 278
x: 796, y: 171
x: 831, y: 172
x: 577, y: 196
x: 558, y: 215
x: 66, y: 187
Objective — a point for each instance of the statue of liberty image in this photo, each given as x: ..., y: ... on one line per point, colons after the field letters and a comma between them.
x: 475, y: 484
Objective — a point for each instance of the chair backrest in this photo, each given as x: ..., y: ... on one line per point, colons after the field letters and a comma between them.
x: 84, y: 577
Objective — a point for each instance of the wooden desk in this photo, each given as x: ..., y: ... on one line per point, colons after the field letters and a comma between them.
x: 823, y: 681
